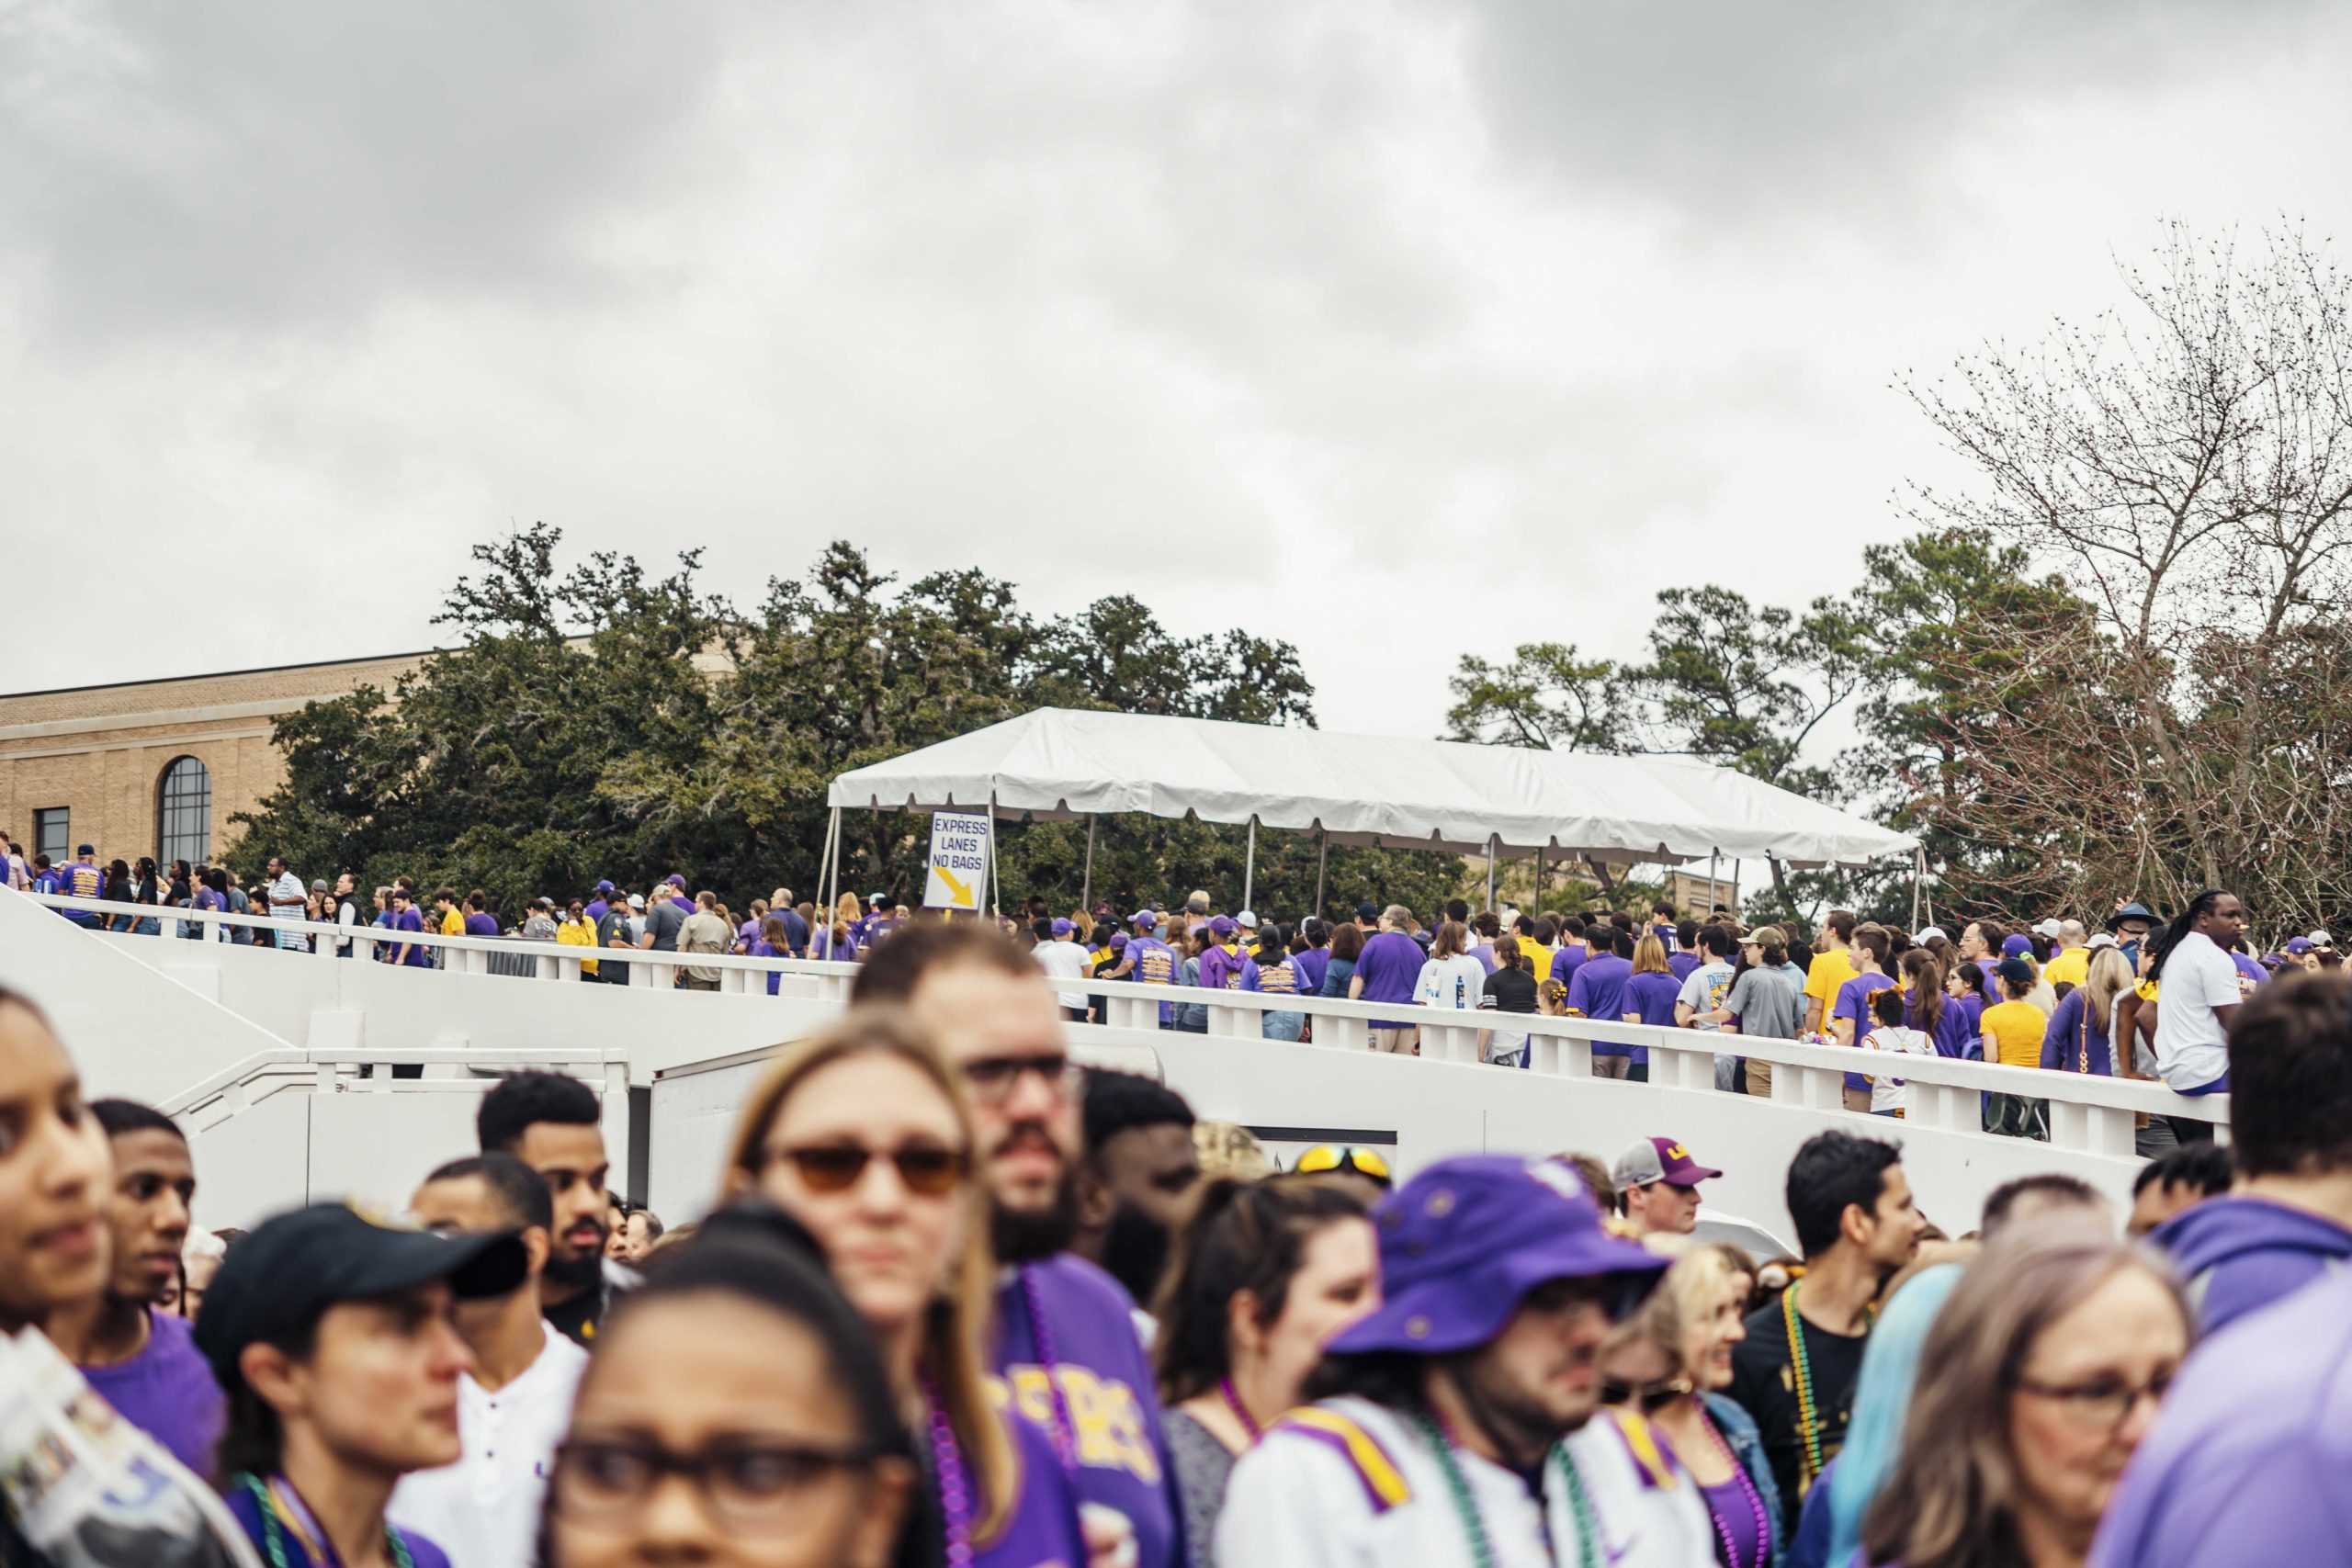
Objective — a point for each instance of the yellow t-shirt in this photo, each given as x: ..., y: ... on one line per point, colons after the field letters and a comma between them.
x: 2071, y: 967
x: 454, y: 922
x: 2016, y: 1029
x: 1828, y: 971
x: 578, y: 933
x: 1539, y: 959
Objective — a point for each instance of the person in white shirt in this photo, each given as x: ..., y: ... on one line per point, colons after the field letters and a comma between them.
x: 1889, y: 1095
x: 513, y: 1407
x: 2198, y: 994
x: 1063, y: 960
x: 1460, y: 1423
x: 288, y: 901
x: 1451, y: 975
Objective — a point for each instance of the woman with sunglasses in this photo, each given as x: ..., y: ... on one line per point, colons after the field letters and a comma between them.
x: 740, y: 1371
x: 2039, y: 1378
x: 1271, y: 1270
x: 1671, y: 1362
x: 862, y: 1135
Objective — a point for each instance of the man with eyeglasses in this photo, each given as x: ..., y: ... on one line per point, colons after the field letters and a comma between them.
x: 514, y: 1402
x: 1065, y: 1341
x: 1460, y: 1424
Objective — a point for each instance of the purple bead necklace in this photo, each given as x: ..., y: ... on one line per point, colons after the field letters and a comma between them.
x: 1755, y: 1505
x: 954, y: 1481
x: 1040, y: 1339
x: 1241, y: 1411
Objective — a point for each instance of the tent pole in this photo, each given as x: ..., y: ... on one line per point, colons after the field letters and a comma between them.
x: 1538, y: 899
x: 1918, y: 875
x: 993, y: 907
x: 1714, y: 857
x: 830, y: 872
x: 1085, y: 893
x: 1250, y: 867
x: 1322, y: 857
x: 1492, y: 845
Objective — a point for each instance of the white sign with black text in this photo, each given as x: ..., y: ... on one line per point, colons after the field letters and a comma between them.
x: 960, y: 861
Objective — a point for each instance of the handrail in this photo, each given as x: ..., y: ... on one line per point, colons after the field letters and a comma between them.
x: 1681, y: 1057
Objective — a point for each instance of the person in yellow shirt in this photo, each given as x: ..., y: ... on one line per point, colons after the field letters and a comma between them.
x: 2071, y: 966
x: 578, y: 931
x: 1535, y: 938
x: 1830, y: 969
x: 446, y: 911
x: 2013, y: 1031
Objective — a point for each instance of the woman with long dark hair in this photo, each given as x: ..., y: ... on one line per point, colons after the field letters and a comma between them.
x: 117, y: 890
x: 740, y: 1365
x: 2042, y: 1374
x: 1271, y: 1270
x: 1926, y: 1009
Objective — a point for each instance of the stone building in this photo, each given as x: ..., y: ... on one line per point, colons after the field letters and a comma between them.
x: 157, y: 767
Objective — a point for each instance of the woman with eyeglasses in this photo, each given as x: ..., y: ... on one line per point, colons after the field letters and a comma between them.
x: 1669, y: 1362
x: 1271, y: 1270
x: 2040, y: 1378
x: 738, y: 1411
x: 862, y: 1135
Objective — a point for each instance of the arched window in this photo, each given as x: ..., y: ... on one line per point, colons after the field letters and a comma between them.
x: 184, y: 812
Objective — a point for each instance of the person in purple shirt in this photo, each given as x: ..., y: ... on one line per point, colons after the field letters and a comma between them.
x: 1599, y: 991
x: 1575, y: 953
x: 1065, y: 1341
x: 1314, y: 960
x: 1649, y: 997
x: 1850, y: 1013
x: 2288, y: 1220
x: 602, y: 901
x: 1147, y: 961
x: 479, y: 921
x: 405, y: 917
x: 1684, y: 958
x: 1225, y: 967
x: 676, y: 883
x: 142, y: 1360
x: 1387, y: 970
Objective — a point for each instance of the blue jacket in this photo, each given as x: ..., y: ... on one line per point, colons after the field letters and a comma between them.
x: 1746, y: 1443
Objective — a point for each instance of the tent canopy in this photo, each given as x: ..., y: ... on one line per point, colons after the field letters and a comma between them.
x: 1363, y: 789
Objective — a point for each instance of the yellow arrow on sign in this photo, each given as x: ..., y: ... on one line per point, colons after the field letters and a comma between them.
x: 963, y: 893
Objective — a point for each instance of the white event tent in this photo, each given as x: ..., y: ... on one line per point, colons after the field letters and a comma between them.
x: 1359, y: 789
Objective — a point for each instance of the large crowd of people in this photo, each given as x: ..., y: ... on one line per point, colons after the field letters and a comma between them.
x: 2053, y: 994
x: 956, y: 1300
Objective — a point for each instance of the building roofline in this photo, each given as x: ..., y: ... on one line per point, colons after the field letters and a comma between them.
x: 224, y: 675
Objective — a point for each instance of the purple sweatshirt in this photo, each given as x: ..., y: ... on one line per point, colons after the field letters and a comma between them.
x: 2241, y: 1254
x: 1228, y: 971
x: 1106, y: 1389
x: 1044, y: 1528
x: 167, y: 1392
x: 1599, y: 991
x: 2252, y: 1447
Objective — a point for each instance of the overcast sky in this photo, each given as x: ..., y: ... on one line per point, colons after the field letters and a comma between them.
x: 1392, y: 329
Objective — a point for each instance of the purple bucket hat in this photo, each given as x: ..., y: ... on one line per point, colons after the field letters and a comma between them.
x: 1466, y: 1239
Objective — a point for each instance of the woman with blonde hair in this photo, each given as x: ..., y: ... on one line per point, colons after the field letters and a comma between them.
x: 2077, y: 1039
x: 1669, y: 1363
x: 862, y: 1133
x: 2040, y: 1377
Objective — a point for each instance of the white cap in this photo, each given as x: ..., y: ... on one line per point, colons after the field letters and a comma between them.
x: 1245, y: 920
x: 2102, y: 938
x: 2047, y: 927
x: 2321, y: 939
x: 636, y: 900
x: 1928, y: 935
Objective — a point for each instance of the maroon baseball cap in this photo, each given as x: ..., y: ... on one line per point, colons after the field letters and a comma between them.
x: 1659, y: 1159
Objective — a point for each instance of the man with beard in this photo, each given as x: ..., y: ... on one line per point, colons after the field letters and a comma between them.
x: 1455, y: 1426
x: 1064, y: 1339
x: 553, y: 1124
x: 1795, y: 1372
x: 1140, y: 1179
x: 144, y: 1361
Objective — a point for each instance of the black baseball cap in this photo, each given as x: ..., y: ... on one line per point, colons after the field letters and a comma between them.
x: 1367, y: 910
x: 284, y: 1275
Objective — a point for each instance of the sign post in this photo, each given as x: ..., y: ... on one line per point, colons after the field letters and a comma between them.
x: 959, y: 862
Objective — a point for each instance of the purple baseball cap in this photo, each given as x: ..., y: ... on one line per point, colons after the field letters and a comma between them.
x: 1063, y: 928
x: 1223, y: 926
x: 1659, y: 1159
x: 2016, y: 946
x: 677, y: 880
x: 604, y: 887
x: 1145, y: 919
x: 1118, y: 938
x: 2299, y: 945
x: 1466, y: 1239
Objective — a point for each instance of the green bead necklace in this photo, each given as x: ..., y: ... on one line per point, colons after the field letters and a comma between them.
x: 1474, y: 1525
x: 273, y: 1534
x: 1808, y: 1416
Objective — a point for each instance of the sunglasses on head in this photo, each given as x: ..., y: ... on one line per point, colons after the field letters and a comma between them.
x: 1651, y: 1397
x: 928, y: 1170
x: 1363, y: 1162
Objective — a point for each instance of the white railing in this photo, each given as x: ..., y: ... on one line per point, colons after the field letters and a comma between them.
x: 2088, y: 1113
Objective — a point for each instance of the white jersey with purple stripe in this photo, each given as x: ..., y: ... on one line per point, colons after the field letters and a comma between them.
x: 1348, y: 1483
